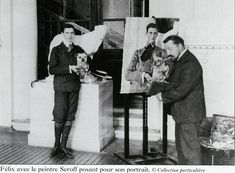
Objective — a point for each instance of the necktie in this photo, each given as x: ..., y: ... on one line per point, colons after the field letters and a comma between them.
x: 70, y: 47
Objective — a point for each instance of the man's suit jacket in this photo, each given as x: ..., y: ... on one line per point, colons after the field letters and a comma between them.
x: 187, y: 102
x: 60, y: 59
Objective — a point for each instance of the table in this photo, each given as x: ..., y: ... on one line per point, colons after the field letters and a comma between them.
x: 216, y: 156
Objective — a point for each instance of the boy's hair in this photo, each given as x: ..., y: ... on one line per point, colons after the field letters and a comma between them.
x: 151, y: 25
x: 67, y: 25
x: 175, y: 38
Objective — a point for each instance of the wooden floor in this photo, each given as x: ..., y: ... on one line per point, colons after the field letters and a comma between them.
x: 24, y: 154
x: 14, y: 149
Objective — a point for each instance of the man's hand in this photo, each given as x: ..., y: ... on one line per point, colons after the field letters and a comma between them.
x: 149, y: 43
x: 147, y: 77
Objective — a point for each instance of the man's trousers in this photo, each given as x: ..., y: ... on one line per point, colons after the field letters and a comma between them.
x: 188, y: 144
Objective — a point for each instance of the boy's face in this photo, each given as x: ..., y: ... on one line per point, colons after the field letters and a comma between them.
x: 69, y: 34
x: 152, y: 35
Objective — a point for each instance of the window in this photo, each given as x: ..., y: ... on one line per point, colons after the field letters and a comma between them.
x: 113, y: 15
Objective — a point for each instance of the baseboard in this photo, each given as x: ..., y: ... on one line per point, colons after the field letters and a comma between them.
x: 21, y: 124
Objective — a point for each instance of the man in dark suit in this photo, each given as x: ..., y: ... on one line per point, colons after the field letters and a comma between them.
x: 186, y: 101
x: 63, y: 65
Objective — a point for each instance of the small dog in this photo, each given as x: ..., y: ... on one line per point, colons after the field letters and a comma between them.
x: 82, y: 64
x: 160, y: 69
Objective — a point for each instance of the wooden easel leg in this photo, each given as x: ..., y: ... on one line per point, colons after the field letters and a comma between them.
x: 145, y: 125
x: 126, y: 126
x: 164, y: 131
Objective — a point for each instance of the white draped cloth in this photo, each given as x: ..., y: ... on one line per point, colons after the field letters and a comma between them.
x: 89, y: 42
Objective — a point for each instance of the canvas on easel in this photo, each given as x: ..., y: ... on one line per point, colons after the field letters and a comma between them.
x: 135, y: 41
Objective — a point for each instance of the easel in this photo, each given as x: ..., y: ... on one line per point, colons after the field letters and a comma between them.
x: 148, y: 158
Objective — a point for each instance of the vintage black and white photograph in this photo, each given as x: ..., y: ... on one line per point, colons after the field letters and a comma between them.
x: 117, y: 82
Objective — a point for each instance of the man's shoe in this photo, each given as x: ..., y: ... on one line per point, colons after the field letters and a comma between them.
x: 67, y: 153
x: 55, y: 151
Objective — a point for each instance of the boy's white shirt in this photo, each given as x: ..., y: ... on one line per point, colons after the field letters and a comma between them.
x: 66, y: 43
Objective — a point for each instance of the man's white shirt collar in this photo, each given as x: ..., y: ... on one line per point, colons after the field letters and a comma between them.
x: 66, y: 43
x: 181, y: 54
